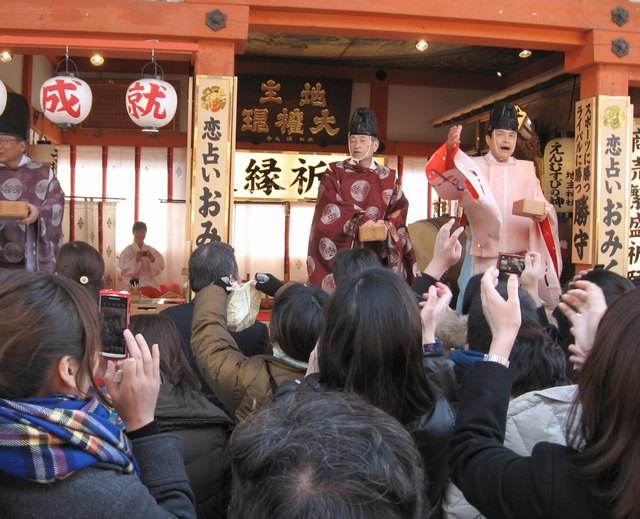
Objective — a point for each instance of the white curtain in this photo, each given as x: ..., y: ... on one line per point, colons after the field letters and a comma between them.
x: 178, y: 240
x: 258, y: 239
x: 63, y: 171
x: 121, y: 184
x: 416, y: 188
x: 179, y: 175
x: 153, y: 189
x: 178, y: 220
x: 167, y: 223
x: 86, y: 227
x: 299, y: 228
x: 109, y: 243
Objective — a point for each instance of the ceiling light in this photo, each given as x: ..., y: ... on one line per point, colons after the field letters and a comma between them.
x: 422, y: 45
x: 499, y: 74
x: 6, y: 56
x: 524, y: 53
x: 97, y: 60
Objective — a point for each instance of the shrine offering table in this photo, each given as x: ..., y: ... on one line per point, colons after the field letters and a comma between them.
x: 153, y: 306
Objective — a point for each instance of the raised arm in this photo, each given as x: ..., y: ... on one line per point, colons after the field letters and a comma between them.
x: 240, y: 383
x: 584, y: 306
x: 133, y: 385
x: 446, y: 250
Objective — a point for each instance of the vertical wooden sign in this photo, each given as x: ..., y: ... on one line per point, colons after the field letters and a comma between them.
x: 613, y: 136
x: 213, y: 147
x: 582, y: 237
x: 633, y: 250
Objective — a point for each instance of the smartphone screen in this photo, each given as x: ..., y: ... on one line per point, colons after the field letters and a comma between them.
x: 114, y: 314
x: 512, y: 263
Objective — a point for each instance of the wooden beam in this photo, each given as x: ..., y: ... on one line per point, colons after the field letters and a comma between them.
x: 586, y: 14
x: 404, y: 148
x: 247, y: 65
x: 401, y: 27
x: 125, y: 139
x: 112, y: 18
x: 535, y: 69
x: 506, y: 94
x: 86, y: 45
x: 597, y: 49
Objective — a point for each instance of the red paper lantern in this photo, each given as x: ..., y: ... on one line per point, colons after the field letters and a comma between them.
x: 65, y: 100
x: 151, y: 103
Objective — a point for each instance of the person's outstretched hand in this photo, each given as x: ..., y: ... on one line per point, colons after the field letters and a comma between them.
x: 134, y: 383
x: 433, y: 308
x: 531, y: 275
x: 267, y: 283
x: 453, y: 139
x: 583, y: 305
x: 446, y: 250
x: 502, y: 316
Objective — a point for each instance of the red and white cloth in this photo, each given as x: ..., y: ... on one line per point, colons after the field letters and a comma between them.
x: 350, y: 195
x: 487, y: 189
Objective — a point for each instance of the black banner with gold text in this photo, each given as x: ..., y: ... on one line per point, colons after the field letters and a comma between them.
x: 293, y: 110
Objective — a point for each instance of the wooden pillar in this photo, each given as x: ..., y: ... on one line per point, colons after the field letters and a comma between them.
x: 215, y: 58
x: 27, y: 77
x: 604, y: 79
x: 601, y: 79
x: 601, y: 74
x: 212, y: 194
x: 379, y: 102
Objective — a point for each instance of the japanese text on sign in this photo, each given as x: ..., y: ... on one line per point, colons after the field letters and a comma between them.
x: 211, y: 174
x: 559, y: 173
x: 633, y: 251
x: 613, y: 179
x: 293, y: 110
x: 279, y: 176
x: 582, y: 232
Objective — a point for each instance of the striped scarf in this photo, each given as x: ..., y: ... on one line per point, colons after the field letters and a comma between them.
x: 44, y: 439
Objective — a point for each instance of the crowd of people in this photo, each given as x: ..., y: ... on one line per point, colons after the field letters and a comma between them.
x: 352, y: 403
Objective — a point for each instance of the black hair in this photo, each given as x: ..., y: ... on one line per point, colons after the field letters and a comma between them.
x: 349, y: 261
x: 139, y: 226
x: 296, y: 319
x: 44, y: 318
x: 210, y: 262
x: 81, y: 262
x: 371, y: 344
x: 324, y: 454
x: 174, y: 366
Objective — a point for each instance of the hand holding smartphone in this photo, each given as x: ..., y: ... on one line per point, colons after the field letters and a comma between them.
x: 115, y: 311
x: 133, y: 383
x: 511, y: 263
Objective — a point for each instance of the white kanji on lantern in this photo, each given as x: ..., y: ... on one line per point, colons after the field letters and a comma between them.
x: 151, y: 103
x: 3, y: 97
x: 65, y: 100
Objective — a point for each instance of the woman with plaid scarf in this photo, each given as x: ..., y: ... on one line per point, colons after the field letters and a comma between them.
x: 61, y: 455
